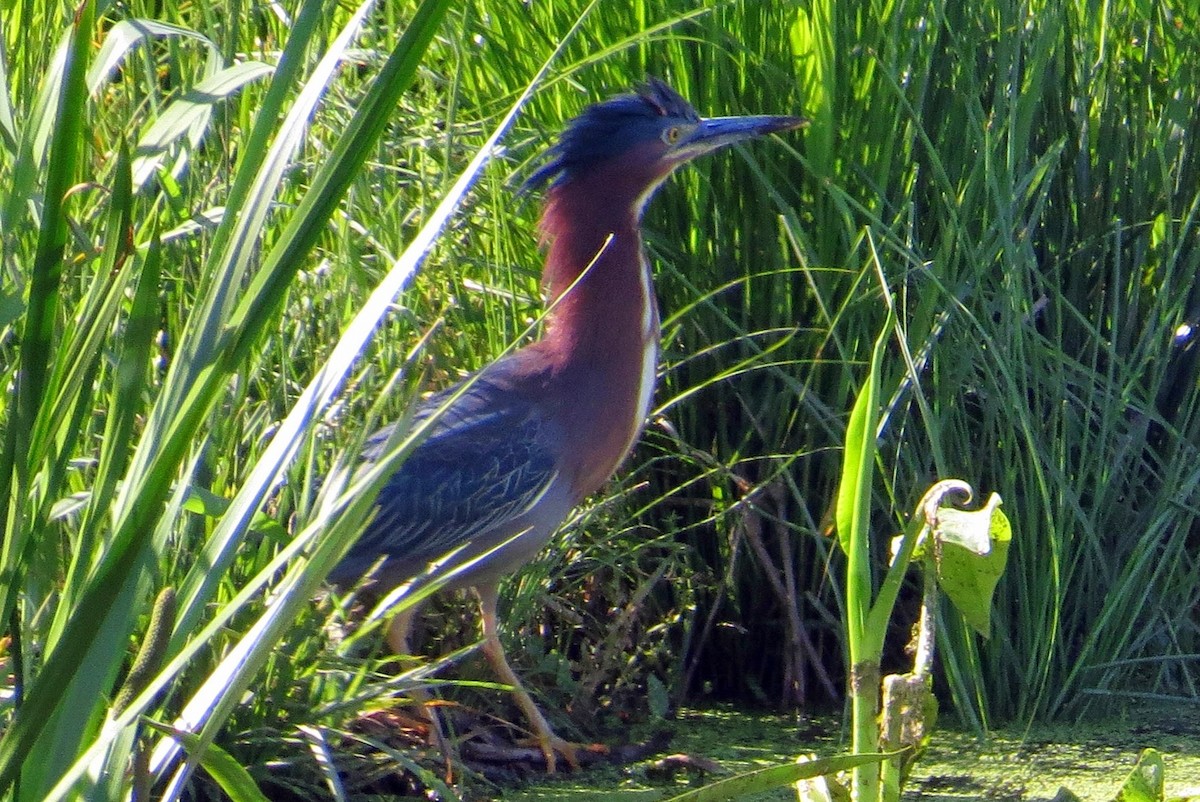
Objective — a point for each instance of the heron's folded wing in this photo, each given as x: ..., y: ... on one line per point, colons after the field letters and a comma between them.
x: 482, y: 466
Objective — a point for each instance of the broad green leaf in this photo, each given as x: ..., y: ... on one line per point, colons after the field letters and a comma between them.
x: 856, y: 464
x: 207, y: 503
x: 1145, y: 782
x: 858, y: 459
x: 974, y: 530
x: 970, y: 553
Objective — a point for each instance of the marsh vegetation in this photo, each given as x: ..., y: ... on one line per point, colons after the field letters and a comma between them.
x: 238, y: 237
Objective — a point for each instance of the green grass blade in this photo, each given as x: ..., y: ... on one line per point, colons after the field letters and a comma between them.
x: 8, y: 124
x: 36, y: 135
x: 372, y: 115
x: 42, y: 306
x: 105, y: 603
x: 95, y: 324
x: 230, y: 775
x: 37, y: 345
x: 267, y: 289
x: 188, y: 116
x: 127, y: 34
x: 182, y: 403
x: 773, y: 777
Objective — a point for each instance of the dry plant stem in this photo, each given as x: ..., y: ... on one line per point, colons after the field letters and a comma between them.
x: 751, y: 522
x: 782, y: 583
x: 806, y: 649
x: 904, y: 720
x: 615, y: 648
x: 793, y: 677
x: 697, y: 650
x: 926, y: 626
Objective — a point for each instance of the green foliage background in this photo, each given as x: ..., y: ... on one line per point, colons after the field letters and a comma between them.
x: 1021, y: 173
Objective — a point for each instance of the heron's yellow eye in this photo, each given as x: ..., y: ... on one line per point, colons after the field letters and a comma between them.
x: 672, y: 134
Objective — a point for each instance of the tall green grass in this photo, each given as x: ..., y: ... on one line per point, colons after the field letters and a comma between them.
x: 78, y: 584
x: 1037, y: 212
x: 195, y: 211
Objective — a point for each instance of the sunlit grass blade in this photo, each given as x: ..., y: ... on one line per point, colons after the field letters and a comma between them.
x: 94, y: 325
x: 35, y: 139
x: 36, y: 354
x: 267, y: 289
x: 230, y: 776
x: 127, y: 34
x: 109, y: 597
x: 188, y: 116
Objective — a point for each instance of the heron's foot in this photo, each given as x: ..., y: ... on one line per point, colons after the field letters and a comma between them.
x: 552, y: 746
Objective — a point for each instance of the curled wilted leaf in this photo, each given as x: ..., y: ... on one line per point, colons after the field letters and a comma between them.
x: 970, y: 551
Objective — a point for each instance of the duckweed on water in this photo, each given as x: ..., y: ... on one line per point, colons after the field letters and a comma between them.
x: 1092, y: 758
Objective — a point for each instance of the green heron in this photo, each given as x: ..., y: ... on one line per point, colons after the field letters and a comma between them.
x: 539, y: 430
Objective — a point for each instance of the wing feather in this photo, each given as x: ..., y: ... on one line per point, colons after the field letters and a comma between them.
x: 484, y: 464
